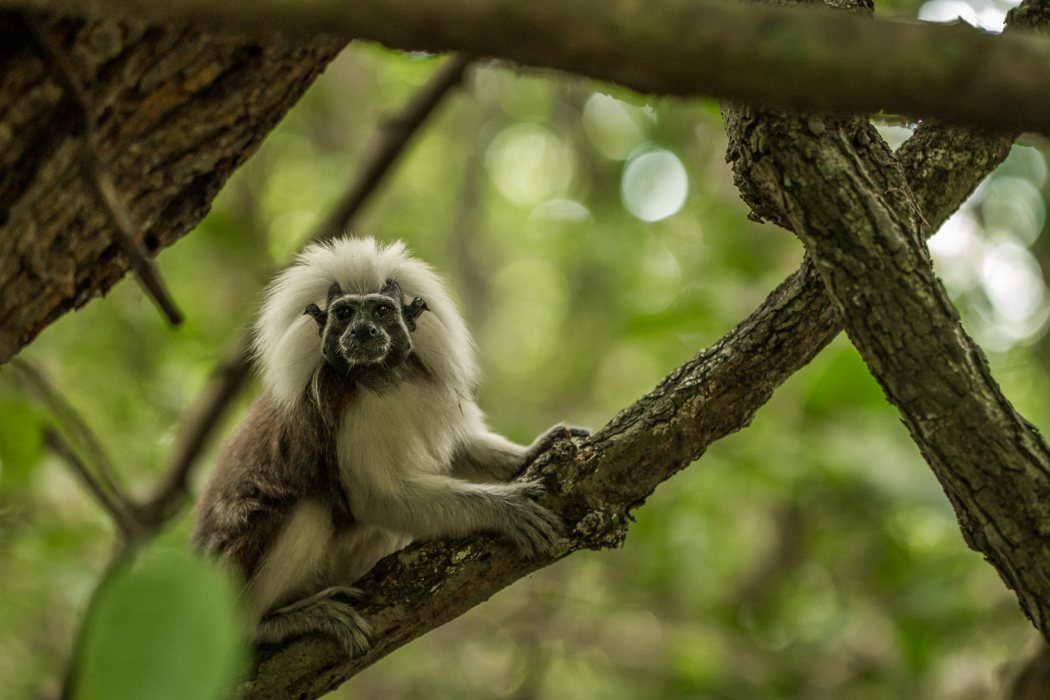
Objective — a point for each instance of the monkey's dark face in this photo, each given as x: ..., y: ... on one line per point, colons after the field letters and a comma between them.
x: 366, y: 334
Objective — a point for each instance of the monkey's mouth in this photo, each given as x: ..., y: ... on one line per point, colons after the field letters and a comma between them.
x: 366, y: 352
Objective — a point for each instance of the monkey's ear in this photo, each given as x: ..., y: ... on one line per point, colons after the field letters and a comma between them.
x: 393, y: 290
x: 413, y: 311
x: 334, y: 292
x: 314, y: 312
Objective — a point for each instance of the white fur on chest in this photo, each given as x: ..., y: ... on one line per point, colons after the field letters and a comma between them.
x: 406, y: 431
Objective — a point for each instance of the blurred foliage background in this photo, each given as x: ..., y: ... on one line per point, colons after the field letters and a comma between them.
x: 596, y: 241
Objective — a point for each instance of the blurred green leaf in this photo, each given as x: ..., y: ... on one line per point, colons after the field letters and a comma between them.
x: 165, y: 627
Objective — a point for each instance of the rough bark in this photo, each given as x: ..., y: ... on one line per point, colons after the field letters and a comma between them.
x: 839, y: 188
x: 791, y: 57
x: 177, y: 111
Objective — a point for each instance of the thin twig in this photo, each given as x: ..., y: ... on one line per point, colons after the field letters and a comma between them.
x: 117, y: 510
x: 98, y: 176
x: 72, y: 422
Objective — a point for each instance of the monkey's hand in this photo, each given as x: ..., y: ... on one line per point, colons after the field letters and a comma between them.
x: 532, y: 527
x: 545, y: 441
x: 330, y: 612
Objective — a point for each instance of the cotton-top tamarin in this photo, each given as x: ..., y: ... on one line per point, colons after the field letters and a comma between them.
x: 366, y: 437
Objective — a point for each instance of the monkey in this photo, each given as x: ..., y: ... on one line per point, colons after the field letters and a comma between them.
x: 365, y: 437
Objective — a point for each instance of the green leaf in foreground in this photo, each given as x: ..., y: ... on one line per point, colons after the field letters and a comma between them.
x: 165, y: 627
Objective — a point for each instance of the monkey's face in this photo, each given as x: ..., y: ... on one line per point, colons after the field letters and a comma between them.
x: 366, y: 334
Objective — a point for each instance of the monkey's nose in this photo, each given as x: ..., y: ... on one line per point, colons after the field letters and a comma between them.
x: 365, y: 332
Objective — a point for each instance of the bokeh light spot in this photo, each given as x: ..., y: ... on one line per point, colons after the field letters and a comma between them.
x: 529, y: 164
x: 654, y: 185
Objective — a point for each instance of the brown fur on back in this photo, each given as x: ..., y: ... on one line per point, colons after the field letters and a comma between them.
x: 271, y: 461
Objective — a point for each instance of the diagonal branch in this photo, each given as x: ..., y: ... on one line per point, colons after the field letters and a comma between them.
x: 117, y: 509
x: 396, y: 132
x: 836, y: 185
x: 805, y: 58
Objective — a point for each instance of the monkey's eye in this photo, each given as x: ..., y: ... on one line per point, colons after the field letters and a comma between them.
x: 383, y: 310
x: 343, y: 313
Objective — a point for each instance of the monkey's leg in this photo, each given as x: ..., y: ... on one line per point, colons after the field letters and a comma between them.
x: 330, y: 612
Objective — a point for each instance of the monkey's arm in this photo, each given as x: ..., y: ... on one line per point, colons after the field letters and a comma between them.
x: 431, y: 506
x: 488, y: 456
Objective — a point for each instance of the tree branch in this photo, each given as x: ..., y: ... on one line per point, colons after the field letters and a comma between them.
x: 396, y: 133
x: 96, y: 172
x: 175, y: 112
x: 804, y: 58
x: 838, y: 187
x: 99, y: 478
x: 225, y: 384
x: 117, y: 509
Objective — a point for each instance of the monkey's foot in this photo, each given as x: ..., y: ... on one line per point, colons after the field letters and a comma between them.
x: 329, y: 612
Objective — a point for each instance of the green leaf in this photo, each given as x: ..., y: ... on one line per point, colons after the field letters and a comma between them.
x: 165, y: 627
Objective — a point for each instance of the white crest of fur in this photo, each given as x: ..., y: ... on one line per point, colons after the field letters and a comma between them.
x: 288, y: 347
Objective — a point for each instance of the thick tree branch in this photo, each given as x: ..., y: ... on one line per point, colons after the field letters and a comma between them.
x: 126, y: 233
x: 193, y: 117
x: 836, y: 185
x: 805, y: 58
x: 175, y: 111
